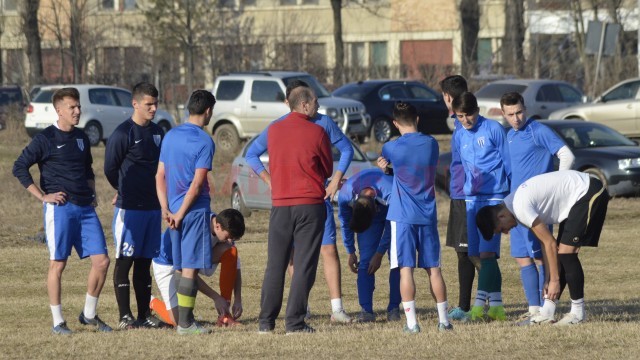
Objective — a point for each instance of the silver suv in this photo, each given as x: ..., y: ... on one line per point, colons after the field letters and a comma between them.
x: 248, y: 102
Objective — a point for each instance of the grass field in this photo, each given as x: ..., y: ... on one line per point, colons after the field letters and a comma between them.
x: 612, y: 295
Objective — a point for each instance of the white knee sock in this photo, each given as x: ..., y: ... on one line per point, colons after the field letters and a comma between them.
x: 577, y: 308
x: 548, y: 308
x: 56, y: 312
x: 410, y: 313
x: 443, y: 317
x: 90, y: 305
x: 336, y: 305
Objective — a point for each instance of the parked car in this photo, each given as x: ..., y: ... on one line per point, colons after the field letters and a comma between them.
x: 618, y: 107
x: 541, y: 97
x: 599, y: 150
x: 103, y: 109
x: 248, y: 102
x: 11, y: 99
x: 249, y: 192
x: 379, y: 97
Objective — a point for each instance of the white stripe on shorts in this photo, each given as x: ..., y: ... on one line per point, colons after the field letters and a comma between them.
x: 118, y: 230
x: 50, y: 229
x: 393, y: 249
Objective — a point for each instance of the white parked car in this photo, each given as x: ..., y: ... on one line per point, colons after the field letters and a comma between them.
x: 103, y: 109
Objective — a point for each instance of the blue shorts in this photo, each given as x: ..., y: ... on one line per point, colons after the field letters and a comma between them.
x: 165, y: 255
x: 329, y: 237
x: 406, y: 239
x: 136, y: 233
x: 524, y: 243
x: 71, y: 226
x: 477, y: 244
x: 191, y: 244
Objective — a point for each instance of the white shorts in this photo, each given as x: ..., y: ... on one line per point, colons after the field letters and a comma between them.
x: 166, y: 285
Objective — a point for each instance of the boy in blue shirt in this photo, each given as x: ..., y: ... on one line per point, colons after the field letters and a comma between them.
x: 484, y: 153
x: 362, y: 209
x: 412, y: 213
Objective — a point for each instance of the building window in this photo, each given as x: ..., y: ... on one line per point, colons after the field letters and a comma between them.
x: 310, y: 2
x: 9, y: 5
x: 108, y: 4
x: 357, y: 59
x: 378, y: 63
x: 248, y: 2
x: 485, y: 55
x: 129, y: 5
x: 227, y: 3
x: 288, y: 2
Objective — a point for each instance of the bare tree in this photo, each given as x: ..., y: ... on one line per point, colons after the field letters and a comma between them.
x: 470, y: 23
x: 512, y: 49
x: 336, y: 7
x: 30, y: 27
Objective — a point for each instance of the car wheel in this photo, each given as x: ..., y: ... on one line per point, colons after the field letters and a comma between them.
x: 381, y: 130
x: 597, y: 173
x: 226, y: 138
x: 237, y: 202
x: 165, y: 126
x: 94, y: 132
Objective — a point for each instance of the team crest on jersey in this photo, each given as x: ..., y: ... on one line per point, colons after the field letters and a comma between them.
x: 156, y: 139
x: 80, y: 144
x: 481, y: 141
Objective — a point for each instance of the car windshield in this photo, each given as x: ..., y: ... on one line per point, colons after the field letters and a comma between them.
x: 9, y: 97
x: 320, y: 90
x: 495, y: 91
x: 354, y: 91
x: 591, y: 135
x: 44, y: 96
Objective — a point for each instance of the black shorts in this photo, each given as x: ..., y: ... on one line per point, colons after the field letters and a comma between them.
x: 457, y: 226
x: 584, y: 223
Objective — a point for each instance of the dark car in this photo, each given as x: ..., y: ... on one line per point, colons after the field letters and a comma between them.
x: 599, y: 150
x: 379, y: 96
x: 11, y: 99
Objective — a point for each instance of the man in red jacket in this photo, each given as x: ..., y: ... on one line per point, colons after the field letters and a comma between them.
x: 299, y: 161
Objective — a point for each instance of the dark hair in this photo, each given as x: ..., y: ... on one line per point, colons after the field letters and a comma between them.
x: 405, y: 113
x: 453, y: 85
x: 60, y: 94
x: 465, y: 103
x: 293, y: 84
x: 232, y: 221
x: 200, y: 101
x: 298, y: 95
x: 487, y: 220
x: 144, y: 88
x: 511, y: 98
x: 364, y: 209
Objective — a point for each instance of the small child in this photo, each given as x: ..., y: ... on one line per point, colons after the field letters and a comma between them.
x: 226, y: 228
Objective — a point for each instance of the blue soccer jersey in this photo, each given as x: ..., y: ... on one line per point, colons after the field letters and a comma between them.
x: 532, y: 148
x: 456, y: 182
x: 185, y: 149
x: 370, y: 178
x: 414, y: 157
x: 484, y: 154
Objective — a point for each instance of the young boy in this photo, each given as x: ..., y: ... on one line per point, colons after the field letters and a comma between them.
x: 226, y: 228
x: 412, y: 213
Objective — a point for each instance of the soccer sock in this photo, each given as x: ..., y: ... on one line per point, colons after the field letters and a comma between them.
x: 541, y: 279
x: 481, y: 298
x: 490, y: 280
x: 574, y: 274
x: 442, y: 312
x: 121, y: 284
x: 548, y: 308
x: 56, y: 312
x: 142, y: 285
x: 394, y: 290
x: 466, y: 275
x: 228, y: 272
x: 90, y: 305
x: 161, y: 310
x: 187, y: 291
x: 562, y: 275
x: 410, y: 313
x: 336, y: 305
x: 577, y: 308
x: 530, y: 283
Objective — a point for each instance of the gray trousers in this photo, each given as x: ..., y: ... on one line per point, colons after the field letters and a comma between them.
x: 300, y: 226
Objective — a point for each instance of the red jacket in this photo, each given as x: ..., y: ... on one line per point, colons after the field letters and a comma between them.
x: 300, y: 161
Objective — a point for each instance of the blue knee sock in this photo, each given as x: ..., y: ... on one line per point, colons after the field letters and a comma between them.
x: 366, y: 285
x: 541, y: 275
x: 530, y: 283
x: 394, y: 289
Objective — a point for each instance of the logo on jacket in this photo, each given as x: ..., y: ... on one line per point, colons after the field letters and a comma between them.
x: 156, y: 139
x: 80, y: 144
x: 481, y: 141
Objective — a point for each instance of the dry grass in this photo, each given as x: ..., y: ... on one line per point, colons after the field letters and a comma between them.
x: 612, y: 298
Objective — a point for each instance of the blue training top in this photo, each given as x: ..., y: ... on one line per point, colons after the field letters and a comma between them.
x: 131, y: 162
x: 532, y: 148
x: 370, y: 178
x: 185, y: 149
x: 336, y: 137
x: 414, y: 157
x: 64, y: 159
x: 456, y: 182
x: 484, y: 153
